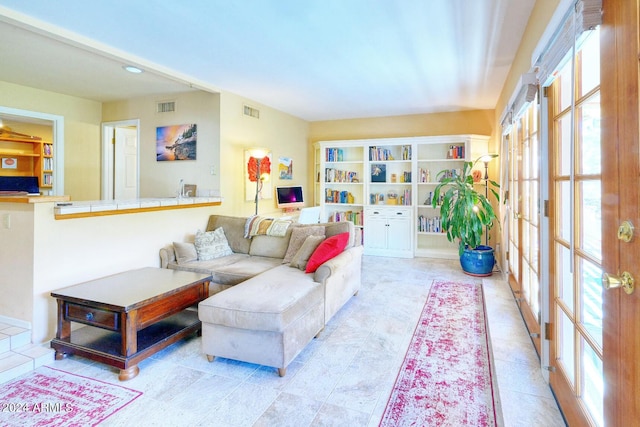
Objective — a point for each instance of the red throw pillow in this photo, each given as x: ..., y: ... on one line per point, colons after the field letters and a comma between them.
x: 328, y: 249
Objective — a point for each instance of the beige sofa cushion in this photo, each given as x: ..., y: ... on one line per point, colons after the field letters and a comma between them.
x: 185, y: 252
x: 334, y: 228
x: 301, y: 257
x: 269, y: 302
x: 233, y: 229
x: 298, y: 235
x: 230, y: 270
x: 270, y: 246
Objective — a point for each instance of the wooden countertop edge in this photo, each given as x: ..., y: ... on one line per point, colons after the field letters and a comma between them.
x: 134, y: 210
x: 33, y: 199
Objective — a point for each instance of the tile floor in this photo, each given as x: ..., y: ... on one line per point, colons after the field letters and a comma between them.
x: 344, y: 377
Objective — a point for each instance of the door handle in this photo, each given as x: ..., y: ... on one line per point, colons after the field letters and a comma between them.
x: 625, y: 281
x: 625, y: 231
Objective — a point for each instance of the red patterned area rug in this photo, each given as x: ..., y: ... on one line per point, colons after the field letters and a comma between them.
x: 446, y: 376
x: 51, y: 397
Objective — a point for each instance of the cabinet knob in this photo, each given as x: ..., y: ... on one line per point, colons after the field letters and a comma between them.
x: 89, y: 316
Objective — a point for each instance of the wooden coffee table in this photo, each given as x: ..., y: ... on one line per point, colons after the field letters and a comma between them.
x: 129, y: 316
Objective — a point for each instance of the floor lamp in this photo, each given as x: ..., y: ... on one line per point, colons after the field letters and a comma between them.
x: 259, y: 156
x: 486, y: 159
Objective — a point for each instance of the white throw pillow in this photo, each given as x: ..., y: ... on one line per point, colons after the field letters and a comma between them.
x: 212, y: 244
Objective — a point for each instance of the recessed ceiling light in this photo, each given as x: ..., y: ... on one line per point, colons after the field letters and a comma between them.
x: 132, y: 69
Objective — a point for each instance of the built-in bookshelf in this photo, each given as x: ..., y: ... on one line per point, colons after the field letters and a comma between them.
x: 27, y: 156
x: 341, y: 185
x: 438, y: 158
x: 386, y: 187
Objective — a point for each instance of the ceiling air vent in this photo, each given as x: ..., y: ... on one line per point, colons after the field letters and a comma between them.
x: 166, y: 107
x: 251, y: 112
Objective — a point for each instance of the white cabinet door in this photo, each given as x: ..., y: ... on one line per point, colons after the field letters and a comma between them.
x: 399, y: 232
x: 375, y: 236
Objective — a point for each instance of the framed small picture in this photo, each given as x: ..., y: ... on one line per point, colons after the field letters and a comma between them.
x: 378, y: 173
x: 9, y: 163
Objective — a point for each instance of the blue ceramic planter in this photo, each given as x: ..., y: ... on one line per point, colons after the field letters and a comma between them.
x: 478, y: 261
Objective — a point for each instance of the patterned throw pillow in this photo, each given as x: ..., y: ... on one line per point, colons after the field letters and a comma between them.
x: 212, y: 244
x: 301, y: 257
x: 298, y: 236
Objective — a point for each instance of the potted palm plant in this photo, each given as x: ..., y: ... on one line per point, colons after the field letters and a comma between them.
x: 466, y: 214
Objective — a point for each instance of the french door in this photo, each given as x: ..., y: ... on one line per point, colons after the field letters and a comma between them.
x: 576, y: 352
x: 524, y: 227
x: 621, y: 202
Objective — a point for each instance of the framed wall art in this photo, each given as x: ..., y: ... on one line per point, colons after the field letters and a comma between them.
x: 177, y: 142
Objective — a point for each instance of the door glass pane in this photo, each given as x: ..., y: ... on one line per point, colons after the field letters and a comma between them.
x: 526, y: 155
x: 534, y: 291
x: 564, y: 142
x: 566, y: 350
x: 564, y: 82
x: 526, y: 291
x: 526, y: 238
x: 514, y: 257
x: 591, y: 214
x: 589, y: 141
x: 565, y: 287
x: 525, y: 200
x: 535, y: 243
x: 590, y: 63
x: 534, y: 201
x: 592, y: 383
x: 535, y: 166
x: 591, y: 304
x: 564, y: 198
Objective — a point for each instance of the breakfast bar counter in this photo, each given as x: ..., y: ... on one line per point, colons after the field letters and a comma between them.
x: 25, y: 198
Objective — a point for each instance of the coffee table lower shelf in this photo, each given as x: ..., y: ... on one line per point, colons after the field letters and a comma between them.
x: 104, y: 346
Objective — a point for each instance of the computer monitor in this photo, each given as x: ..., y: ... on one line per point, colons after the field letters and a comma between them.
x: 290, y: 197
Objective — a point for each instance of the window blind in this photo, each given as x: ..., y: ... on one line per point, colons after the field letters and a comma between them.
x: 507, y: 122
x: 527, y: 91
x: 585, y: 15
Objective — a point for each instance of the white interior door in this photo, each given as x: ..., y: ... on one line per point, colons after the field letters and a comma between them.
x: 126, y: 163
x: 120, y: 160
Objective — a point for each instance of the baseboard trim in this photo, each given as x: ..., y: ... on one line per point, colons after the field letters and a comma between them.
x: 15, y: 322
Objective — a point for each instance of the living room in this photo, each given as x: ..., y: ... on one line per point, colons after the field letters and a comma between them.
x: 47, y: 253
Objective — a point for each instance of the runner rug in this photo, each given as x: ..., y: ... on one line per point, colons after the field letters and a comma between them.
x: 51, y: 397
x: 446, y: 376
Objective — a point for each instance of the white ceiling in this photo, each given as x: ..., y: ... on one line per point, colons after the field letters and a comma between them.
x: 314, y: 59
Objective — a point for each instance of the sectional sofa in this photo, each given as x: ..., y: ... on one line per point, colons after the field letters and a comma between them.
x: 271, y: 293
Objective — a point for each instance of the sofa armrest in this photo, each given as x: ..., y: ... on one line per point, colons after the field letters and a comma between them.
x: 167, y: 256
x: 333, y: 265
x: 342, y: 277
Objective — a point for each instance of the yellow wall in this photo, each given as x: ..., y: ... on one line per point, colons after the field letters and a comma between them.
x: 540, y: 17
x: 81, y: 133
x: 284, y: 135
x: 478, y: 122
x: 161, y: 179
